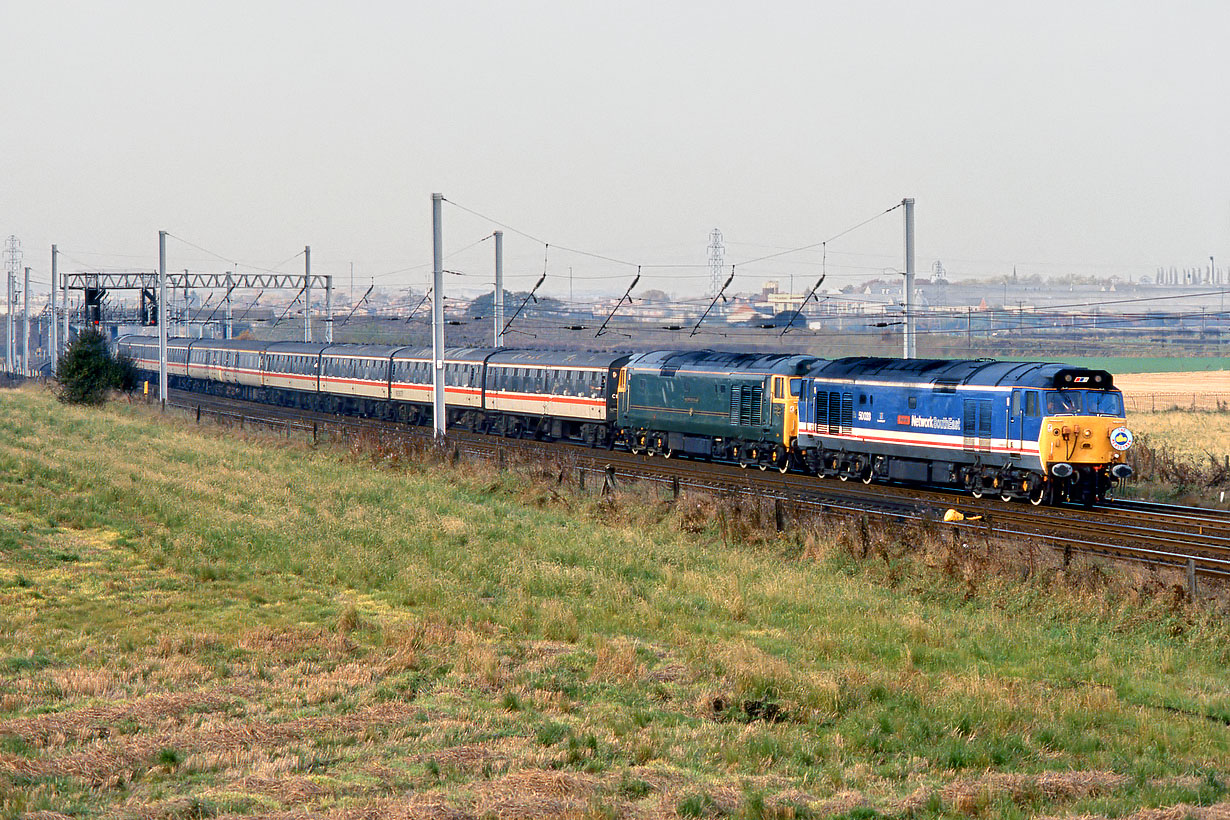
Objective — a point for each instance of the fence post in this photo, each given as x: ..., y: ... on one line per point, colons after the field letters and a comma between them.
x: 675, y: 487
x: 1191, y: 578
x: 779, y: 514
x: 608, y: 481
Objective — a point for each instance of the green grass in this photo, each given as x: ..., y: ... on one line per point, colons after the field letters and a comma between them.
x: 250, y: 625
x: 1149, y: 364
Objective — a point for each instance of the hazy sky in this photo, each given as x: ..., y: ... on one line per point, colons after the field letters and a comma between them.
x: 1056, y: 136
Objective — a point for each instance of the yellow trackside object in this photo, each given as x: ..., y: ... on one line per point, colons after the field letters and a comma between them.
x: 954, y: 516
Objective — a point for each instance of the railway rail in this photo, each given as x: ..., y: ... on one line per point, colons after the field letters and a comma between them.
x: 1186, y: 538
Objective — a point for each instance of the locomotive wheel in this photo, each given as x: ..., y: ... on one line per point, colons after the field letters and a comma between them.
x: 784, y: 466
x: 976, y: 490
x: 1005, y: 496
x: 868, y: 476
x: 1039, y: 493
x: 843, y: 476
x: 763, y: 466
x: 667, y: 452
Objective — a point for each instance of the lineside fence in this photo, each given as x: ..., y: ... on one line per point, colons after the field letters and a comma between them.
x: 1185, y: 400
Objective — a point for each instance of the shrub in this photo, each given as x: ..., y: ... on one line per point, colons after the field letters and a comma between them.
x: 87, y: 371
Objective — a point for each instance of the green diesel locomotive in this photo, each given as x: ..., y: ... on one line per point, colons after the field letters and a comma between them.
x: 737, y: 406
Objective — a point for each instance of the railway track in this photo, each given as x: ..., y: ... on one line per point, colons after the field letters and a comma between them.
x: 1187, y: 538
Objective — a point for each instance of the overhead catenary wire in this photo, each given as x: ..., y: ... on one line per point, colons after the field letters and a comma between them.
x: 626, y: 296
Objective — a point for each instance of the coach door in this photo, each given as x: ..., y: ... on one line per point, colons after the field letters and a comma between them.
x: 1016, y: 421
x: 622, y: 392
x: 976, y: 425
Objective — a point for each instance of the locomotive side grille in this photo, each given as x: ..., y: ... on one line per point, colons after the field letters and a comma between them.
x: 976, y: 425
x: 984, y: 425
x: 847, y: 413
x: 750, y: 409
x: 834, y: 413
x: 969, y: 424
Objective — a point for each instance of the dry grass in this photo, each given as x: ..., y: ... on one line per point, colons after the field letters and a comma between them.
x: 423, y: 644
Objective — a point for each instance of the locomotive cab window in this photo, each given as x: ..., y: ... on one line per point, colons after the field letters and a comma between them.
x: 1031, y: 403
x: 1063, y: 402
x: 1104, y: 404
x: 779, y: 390
x: 796, y: 385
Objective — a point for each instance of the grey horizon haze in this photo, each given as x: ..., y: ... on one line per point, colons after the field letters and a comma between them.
x: 1056, y: 137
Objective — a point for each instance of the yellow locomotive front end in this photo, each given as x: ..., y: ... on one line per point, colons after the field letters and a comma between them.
x: 1083, y: 440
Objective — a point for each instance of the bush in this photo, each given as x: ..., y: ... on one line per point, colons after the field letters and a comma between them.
x: 87, y: 371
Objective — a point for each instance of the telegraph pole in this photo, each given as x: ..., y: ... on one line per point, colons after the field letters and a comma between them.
x: 329, y: 310
x: 307, y: 293
x: 54, y: 341
x: 499, y: 288
x: 909, y: 277
x: 437, y: 315
x: 162, y: 318
x: 25, y: 325
x: 229, y: 329
x: 64, y: 294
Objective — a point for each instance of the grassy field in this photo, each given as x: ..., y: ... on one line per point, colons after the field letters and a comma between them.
x: 1182, y: 456
x: 200, y: 622
x: 1149, y: 364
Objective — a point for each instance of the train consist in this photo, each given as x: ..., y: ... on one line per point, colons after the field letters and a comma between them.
x: 1042, y: 432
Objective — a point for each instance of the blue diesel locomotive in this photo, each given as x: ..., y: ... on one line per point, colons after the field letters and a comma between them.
x: 1029, y: 430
